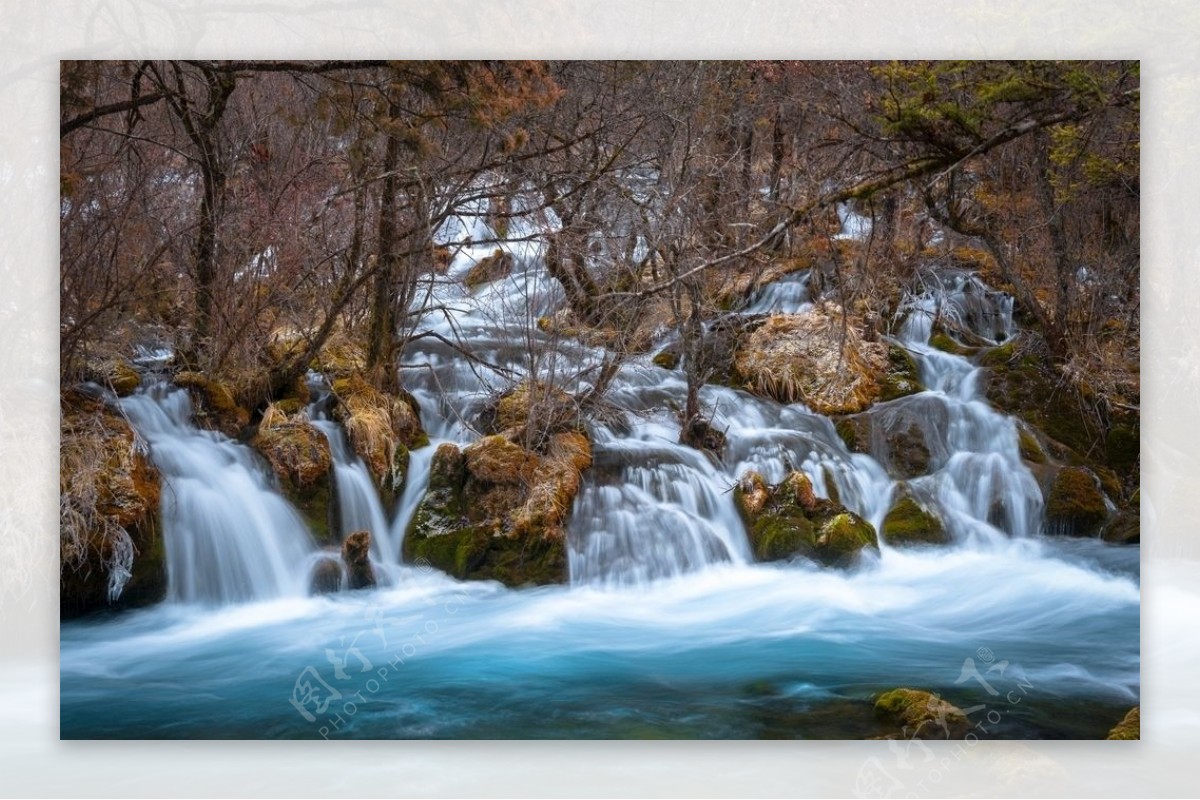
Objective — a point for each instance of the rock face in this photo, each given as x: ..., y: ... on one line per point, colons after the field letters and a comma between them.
x: 922, y: 715
x: 1128, y: 728
x: 909, y: 523
x: 214, y: 404
x: 356, y: 555
x: 497, y: 511
x: 382, y: 428
x: 299, y: 456
x: 814, y: 359
x: 1075, y: 504
x: 108, y: 513
x: 789, y: 520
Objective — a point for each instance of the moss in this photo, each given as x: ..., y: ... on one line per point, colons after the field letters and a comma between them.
x: 778, y: 537
x: 907, y: 523
x: 943, y: 342
x: 1029, y: 447
x: 848, y: 431
x: 121, y: 377
x: 667, y: 359
x: 1128, y: 728
x: 921, y: 715
x: 998, y: 357
x: 214, y: 404
x: 290, y: 405
x: 497, y: 511
x: 843, y: 537
x: 1075, y: 505
x: 1122, y: 446
x: 378, y: 423
x: 902, y: 377
x: 496, y: 460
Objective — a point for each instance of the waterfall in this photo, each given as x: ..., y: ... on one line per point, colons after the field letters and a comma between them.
x: 229, y: 535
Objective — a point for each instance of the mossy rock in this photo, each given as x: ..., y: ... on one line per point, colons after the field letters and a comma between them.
x: 1128, y: 728
x: 1122, y: 446
x: 902, y: 377
x: 908, y: 523
x: 300, y: 458
x: 667, y: 359
x: 842, y: 538
x: 490, y: 268
x: 326, y: 576
x: 1126, y: 528
x: 921, y: 715
x: 1075, y: 505
x: 497, y: 511
x: 214, y: 404
x: 788, y: 521
x: 855, y: 431
x: 121, y: 377
x: 378, y: 423
x: 109, y: 489
x: 943, y: 341
x: 1028, y: 446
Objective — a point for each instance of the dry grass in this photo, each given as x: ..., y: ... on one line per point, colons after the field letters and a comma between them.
x: 106, y: 486
x: 811, y: 358
x: 377, y: 424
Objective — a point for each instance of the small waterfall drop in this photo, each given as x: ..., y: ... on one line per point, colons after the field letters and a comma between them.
x: 229, y: 535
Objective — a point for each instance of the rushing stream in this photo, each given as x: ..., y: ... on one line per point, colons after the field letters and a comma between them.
x: 668, y: 628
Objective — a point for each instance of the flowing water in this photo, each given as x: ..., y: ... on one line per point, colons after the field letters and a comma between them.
x: 667, y: 627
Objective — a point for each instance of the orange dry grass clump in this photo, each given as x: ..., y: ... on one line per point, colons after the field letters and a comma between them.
x: 815, y: 359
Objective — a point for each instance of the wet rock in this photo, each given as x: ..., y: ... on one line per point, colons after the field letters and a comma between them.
x: 699, y: 433
x: 1128, y: 728
x: 110, y: 541
x: 789, y: 520
x: 299, y: 456
x: 1126, y: 528
x: 497, y: 511
x: 902, y: 377
x: 909, y: 523
x: 921, y: 715
x: 489, y: 268
x: 326, y: 577
x: 893, y: 439
x: 356, y: 555
x: 667, y: 358
x: 214, y: 404
x: 1075, y: 504
x: 382, y: 428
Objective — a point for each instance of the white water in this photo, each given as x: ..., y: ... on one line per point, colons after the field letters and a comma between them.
x: 229, y: 535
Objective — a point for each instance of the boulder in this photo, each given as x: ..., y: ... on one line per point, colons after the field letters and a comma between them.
x: 326, y: 576
x: 110, y: 542
x: 921, y: 715
x: 498, y: 511
x: 1128, y: 728
x: 901, y: 377
x: 789, y: 520
x: 909, y: 523
x: 699, y: 433
x: 1075, y: 504
x: 489, y: 268
x: 300, y: 457
x: 382, y: 428
x: 893, y: 439
x: 214, y: 404
x: 356, y: 555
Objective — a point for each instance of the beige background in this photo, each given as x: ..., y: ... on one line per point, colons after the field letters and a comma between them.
x: 35, y: 34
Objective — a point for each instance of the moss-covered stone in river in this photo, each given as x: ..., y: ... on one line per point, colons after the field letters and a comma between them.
x: 300, y: 458
x: 1075, y: 505
x: 667, y: 359
x: 942, y: 341
x: 1128, y: 728
x: 1028, y: 446
x: 789, y: 520
x: 214, y: 404
x: 908, y: 523
x: 902, y: 377
x: 921, y: 715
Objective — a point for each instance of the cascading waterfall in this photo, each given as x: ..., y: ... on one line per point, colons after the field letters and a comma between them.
x: 662, y: 580
x: 229, y: 536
